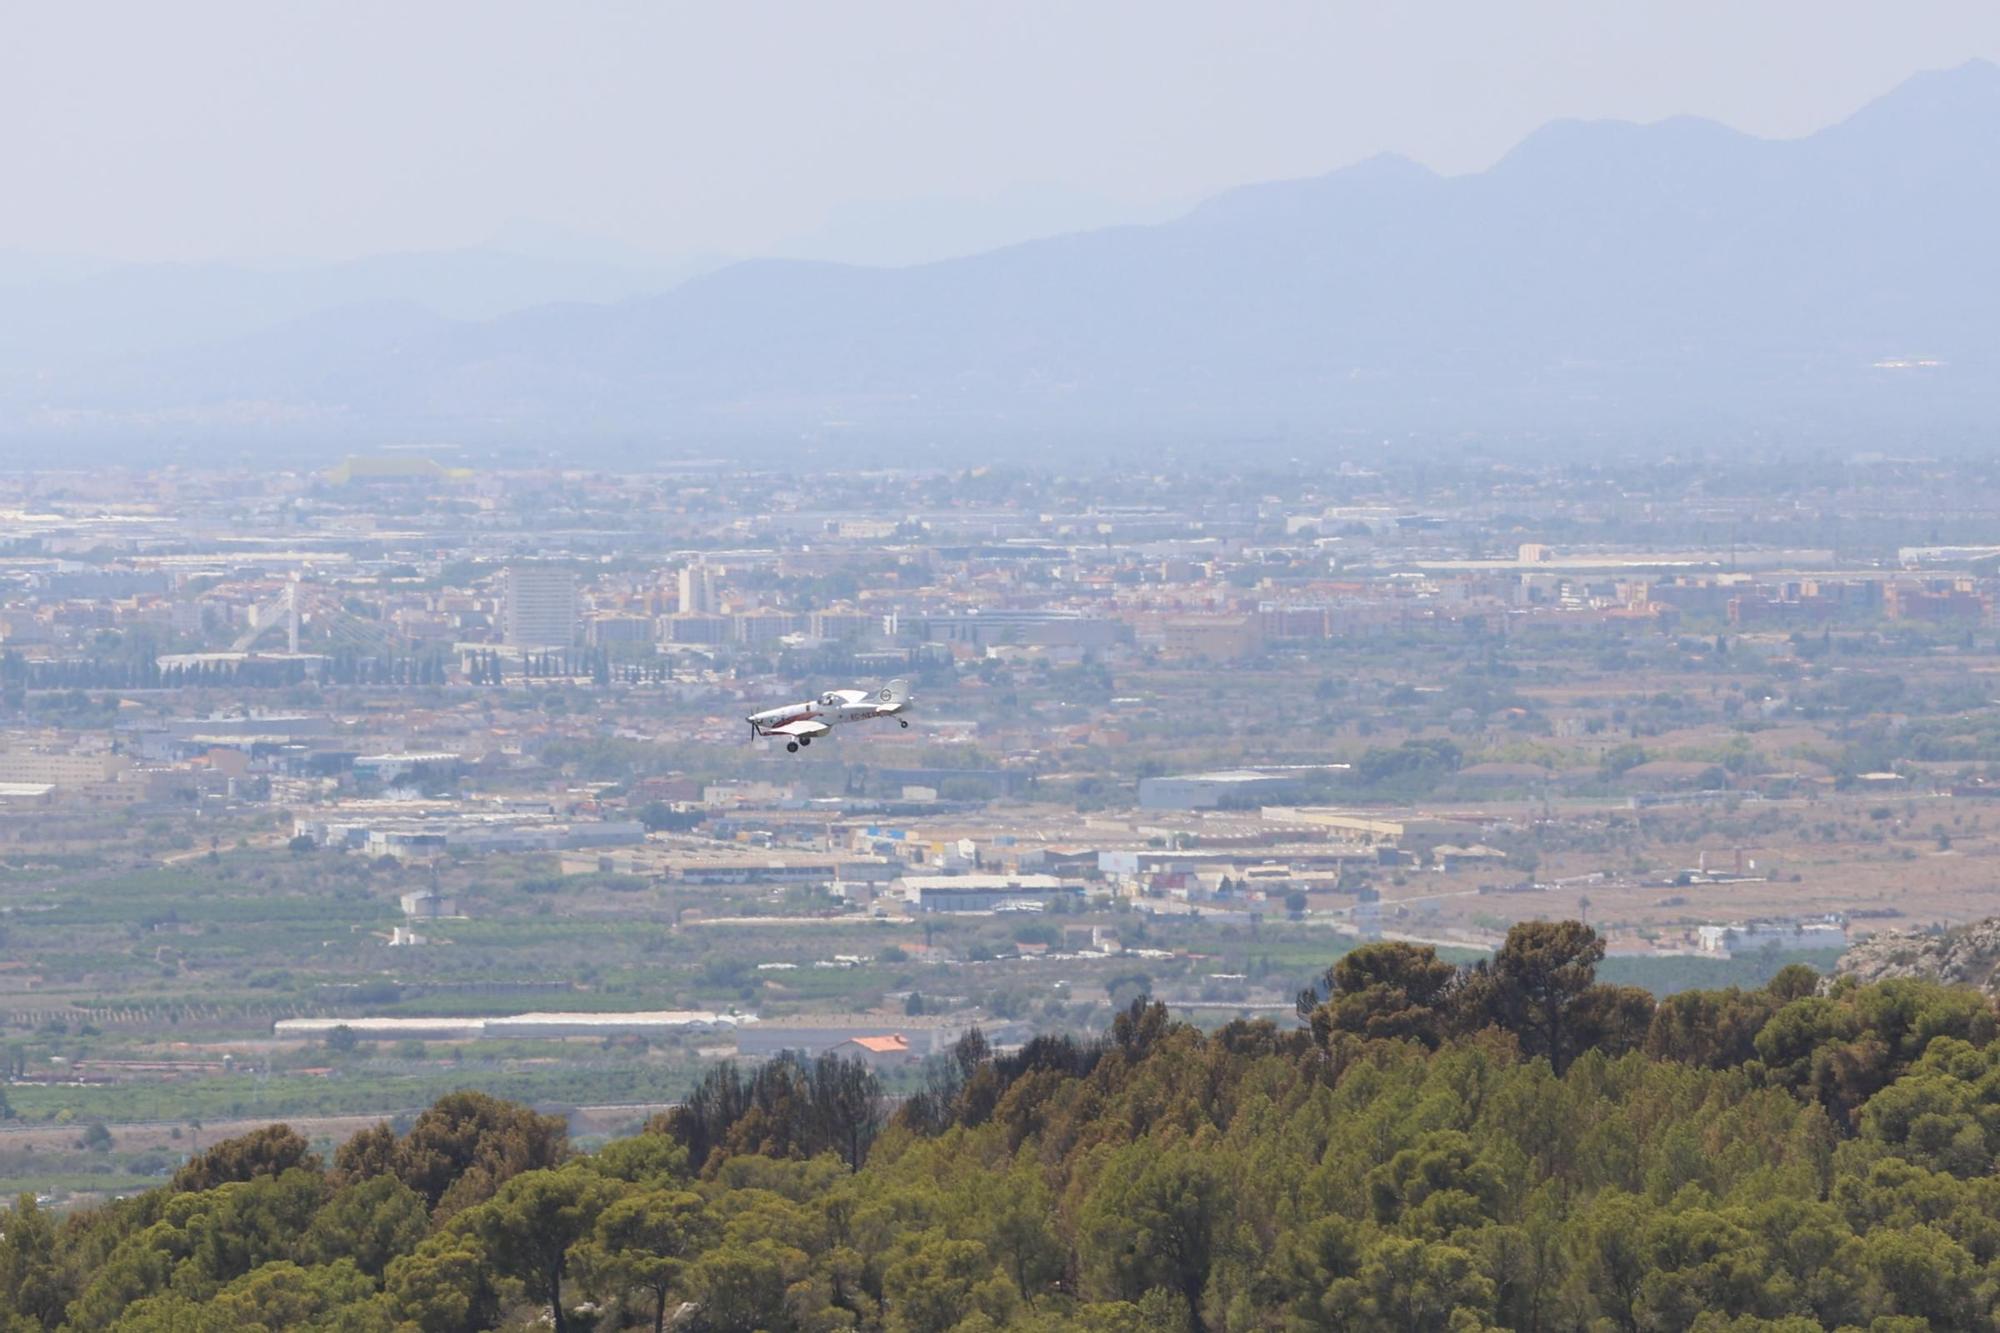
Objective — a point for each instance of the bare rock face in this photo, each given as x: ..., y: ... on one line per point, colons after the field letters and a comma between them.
x: 1966, y: 955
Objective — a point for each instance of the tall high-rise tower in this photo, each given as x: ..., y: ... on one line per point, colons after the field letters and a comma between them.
x: 539, y: 607
x: 697, y: 590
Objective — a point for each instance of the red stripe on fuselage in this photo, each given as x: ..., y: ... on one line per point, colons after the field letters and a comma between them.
x: 764, y: 728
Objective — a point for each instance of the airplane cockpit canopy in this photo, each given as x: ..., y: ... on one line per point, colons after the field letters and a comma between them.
x: 829, y: 698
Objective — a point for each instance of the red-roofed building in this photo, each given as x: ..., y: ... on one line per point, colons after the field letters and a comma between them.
x: 876, y: 1052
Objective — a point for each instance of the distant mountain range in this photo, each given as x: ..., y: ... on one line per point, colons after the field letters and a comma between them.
x: 1603, y: 279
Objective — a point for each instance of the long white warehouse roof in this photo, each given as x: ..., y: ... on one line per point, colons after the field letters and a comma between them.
x: 512, y: 1024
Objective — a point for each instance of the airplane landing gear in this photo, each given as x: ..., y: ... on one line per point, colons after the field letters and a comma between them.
x: 792, y: 746
x: 805, y: 740
x: 903, y: 723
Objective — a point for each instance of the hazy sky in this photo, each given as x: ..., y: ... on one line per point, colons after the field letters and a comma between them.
x: 191, y: 129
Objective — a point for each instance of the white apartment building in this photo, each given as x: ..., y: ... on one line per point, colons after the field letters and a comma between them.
x: 539, y: 607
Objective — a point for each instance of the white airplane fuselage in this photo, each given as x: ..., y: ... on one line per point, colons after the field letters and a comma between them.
x: 831, y: 714
x: 798, y: 724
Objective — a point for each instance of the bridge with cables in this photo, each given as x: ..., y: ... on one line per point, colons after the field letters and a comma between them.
x: 315, y: 614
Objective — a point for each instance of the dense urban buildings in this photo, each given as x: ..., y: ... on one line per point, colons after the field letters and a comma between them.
x: 325, y: 791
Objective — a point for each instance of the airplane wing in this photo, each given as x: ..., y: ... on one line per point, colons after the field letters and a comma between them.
x: 803, y: 727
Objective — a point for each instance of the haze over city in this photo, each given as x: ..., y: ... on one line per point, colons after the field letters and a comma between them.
x: 943, y: 668
x: 498, y: 228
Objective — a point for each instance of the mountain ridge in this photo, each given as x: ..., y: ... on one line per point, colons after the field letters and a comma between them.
x: 1602, y: 276
x: 1967, y: 955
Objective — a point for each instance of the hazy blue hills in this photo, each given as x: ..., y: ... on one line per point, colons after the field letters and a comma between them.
x: 1602, y: 277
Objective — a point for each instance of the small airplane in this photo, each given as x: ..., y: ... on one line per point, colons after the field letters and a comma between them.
x: 800, y: 723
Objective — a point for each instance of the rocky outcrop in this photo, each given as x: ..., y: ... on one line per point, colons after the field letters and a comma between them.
x: 1964, y: 955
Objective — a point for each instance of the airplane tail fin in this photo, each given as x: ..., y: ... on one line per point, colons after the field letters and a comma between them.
x: 895, y: 694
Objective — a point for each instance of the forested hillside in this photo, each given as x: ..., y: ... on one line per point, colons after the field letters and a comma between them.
x: 1508, y: 1145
